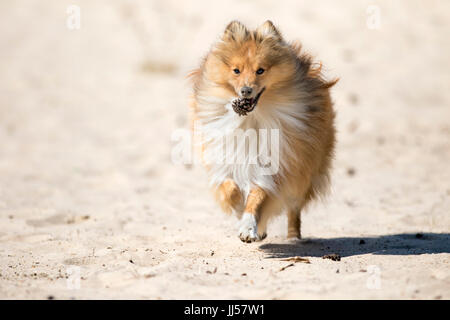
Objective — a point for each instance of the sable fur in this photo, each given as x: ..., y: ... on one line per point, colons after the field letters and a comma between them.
x: 296, y: 101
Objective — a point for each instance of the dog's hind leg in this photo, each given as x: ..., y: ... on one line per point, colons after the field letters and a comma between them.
x: 294, y: 223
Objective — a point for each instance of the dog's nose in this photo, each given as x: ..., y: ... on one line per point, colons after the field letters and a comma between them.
x: 246, y: 91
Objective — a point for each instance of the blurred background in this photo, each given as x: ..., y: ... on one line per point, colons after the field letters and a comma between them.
x: 91, y: 91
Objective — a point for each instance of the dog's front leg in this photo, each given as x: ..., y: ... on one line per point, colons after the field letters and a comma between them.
x: 248, y: 231
x: 230, y: 197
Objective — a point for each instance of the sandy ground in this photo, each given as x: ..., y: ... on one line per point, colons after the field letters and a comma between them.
x: 91, y: 205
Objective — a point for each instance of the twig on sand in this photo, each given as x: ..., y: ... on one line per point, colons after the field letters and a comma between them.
x: 297, y: 259
x: 285, y: 267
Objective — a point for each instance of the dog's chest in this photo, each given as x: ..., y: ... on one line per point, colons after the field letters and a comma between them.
x: 244, y: 149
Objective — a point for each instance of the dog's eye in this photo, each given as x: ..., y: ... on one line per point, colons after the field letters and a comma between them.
x: 236, y: 71
x: 260, y: 71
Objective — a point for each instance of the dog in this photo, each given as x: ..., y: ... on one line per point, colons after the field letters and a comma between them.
x: 253, y: 80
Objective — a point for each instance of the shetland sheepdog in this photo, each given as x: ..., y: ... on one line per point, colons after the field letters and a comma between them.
x: 267, y: 99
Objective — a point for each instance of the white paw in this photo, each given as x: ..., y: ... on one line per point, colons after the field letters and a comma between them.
x: 248, y: 231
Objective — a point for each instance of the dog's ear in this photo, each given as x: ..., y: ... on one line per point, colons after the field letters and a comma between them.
x: 236, y: 31
x: 268, y: 30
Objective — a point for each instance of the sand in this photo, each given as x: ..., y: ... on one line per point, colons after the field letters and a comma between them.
x: 91, y: 205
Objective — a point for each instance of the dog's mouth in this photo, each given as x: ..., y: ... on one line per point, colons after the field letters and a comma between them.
x: 242, y: 106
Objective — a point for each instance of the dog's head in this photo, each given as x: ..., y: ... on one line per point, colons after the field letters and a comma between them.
x: 249, y: 63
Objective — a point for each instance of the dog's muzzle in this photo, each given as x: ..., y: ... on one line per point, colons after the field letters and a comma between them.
x: 242, y: 106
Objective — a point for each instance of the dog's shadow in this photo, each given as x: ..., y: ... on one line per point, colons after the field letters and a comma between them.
x: 397, y: 244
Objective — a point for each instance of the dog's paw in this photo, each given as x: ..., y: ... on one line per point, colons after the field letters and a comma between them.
x: 262, y: 236
x: 294, y: 237
x: 248, y: 231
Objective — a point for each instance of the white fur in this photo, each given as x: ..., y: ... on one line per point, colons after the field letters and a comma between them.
x: 248, y: 228
x: 220, y: 122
